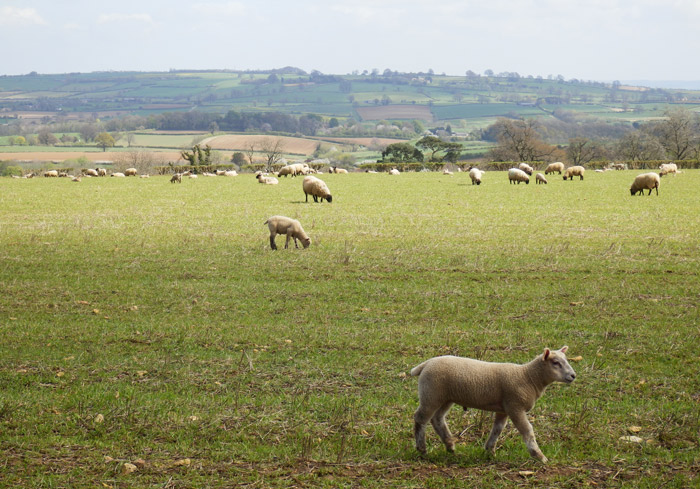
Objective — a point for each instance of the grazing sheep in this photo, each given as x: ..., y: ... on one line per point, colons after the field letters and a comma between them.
x: 335, y: 169
x: 317, y: 188
x: 131, y: 172
x: 220, y: 173
x: 92, y: 173
x: 118, y: 175
x: 446, y: 172
x: 574, y: 171
x: 192, y: 175
x: 475, y: 174
x: 176, y: 178
x: 667, y: 168
x: 102, y: 172
x: 394, y: 171
x: 145, y: 175
x: 267, y: 180
x: 507, y: 389
x: 526, y: 168
x: 62, y: 174
x: 230, y: 173
x: 51, y: 174
x: 646, y: 181
x: 516, y: 175
x: 291, y: 227
x: 619, y: 166
x: 557, y: 166
x: 539, y: 178
x: 287, y: 170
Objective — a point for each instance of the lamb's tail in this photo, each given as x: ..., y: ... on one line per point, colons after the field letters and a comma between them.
x: 415, y: 371
x: 266, y: 222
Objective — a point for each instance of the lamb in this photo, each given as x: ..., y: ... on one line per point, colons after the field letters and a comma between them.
x: 667, y: 168
x: 291, y: 227
x: 335, y: 169
x: 516, y: 175
x: 230, y: 173
x: 145, y: 175
x: 557, y: 166
x: 317, y: 188
x: 574, y: 171
x: 475, y: 174
x: 393, y: 171
x: 646, y: 180
x: 446, y: 172
x: 526, y: 168
x: 507, y: 389
x: 51, y: 174
x: 287, y: 170
x: 539, y: 178
x: 102, y: 172
x: 267, y: 180
x: 118, y: 175
x: 176, y: 178
x: 93, y: 173
x: 131, y: 172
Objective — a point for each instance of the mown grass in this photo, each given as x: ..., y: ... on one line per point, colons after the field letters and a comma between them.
x: 215, y: 361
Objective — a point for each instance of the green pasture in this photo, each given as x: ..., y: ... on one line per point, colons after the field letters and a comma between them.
x: 149, y: 323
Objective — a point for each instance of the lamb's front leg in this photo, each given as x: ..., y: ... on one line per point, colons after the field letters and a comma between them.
x: 525, y: 428
x: 499, y: 422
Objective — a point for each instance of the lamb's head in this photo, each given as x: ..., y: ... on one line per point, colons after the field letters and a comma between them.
x: 329, y: 198
x: 305, y: 242
x: 558, y: 366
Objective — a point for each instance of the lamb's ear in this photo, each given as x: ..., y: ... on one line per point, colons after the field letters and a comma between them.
x: 546, y: 354
x: 564, y: 348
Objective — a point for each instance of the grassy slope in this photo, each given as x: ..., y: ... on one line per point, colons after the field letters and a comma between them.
x: 162, y: 308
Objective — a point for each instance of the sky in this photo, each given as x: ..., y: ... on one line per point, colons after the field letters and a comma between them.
x: 599, y: 40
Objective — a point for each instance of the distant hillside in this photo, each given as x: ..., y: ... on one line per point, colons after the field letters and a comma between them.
x: 465, y: 102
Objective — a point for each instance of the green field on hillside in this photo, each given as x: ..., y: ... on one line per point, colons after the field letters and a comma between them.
x: 149, y: 323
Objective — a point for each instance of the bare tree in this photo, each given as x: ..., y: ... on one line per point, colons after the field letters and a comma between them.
x: 638, y: 146
x: 678, y: 133
x: 581, y: 151
x: 130, y: 138
x: 250, y: 151
x: 272, y: 148
x: 518, y: 140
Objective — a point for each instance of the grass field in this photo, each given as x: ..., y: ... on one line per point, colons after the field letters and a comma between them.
x: 147, y: 323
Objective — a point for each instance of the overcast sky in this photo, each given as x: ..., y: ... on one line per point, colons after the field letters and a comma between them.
x: 601, y: 40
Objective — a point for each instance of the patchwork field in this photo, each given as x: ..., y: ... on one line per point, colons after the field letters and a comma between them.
x: 299, y: 146
x: 395, y: 112
x: 152, y: 339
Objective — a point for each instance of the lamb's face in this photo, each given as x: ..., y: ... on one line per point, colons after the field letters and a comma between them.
x: 559, y: 366
x: 306, y: 242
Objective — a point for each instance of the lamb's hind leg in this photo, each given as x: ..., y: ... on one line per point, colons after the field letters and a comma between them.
x: 272, y: 241
x: 441, y: 428
x: 499, y: 422
x: 420, y: 419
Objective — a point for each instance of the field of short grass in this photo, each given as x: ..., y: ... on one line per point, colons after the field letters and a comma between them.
x: 147, y: 325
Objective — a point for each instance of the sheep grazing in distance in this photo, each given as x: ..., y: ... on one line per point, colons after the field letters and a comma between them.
x: 145, y: 175
x: 667, y: 168
x: 131, y: 172
x: 102, y: 172
x: 476, y: 175
x: 291, y: 227
x: 507, y: 389
x: 557, y: 166
x: 51, y: 174
x: 176, y: 178
x: 92, y: 173
x: 539, y: 178
x: 335, y: 169
x: 526, y: 168
x: 75, y: 179
x: 394, y: 171
x: 118, y: 175
x: 446, y: 172
x: 317, y: 188
x: 230, y: 173
x: 574, y: 171
x: 645, y: 181
x: 267, y: 180
x: 516, y: 175
x: 287, y: 170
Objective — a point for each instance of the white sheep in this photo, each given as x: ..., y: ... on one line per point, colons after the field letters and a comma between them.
x: 93, y: 173
x: 516, y: 175
x: 394, y: 171
x: 145, y: 175
x: 176, y: 178
x: 539, y: 178
x: 287, y: 170
x: 574, y: 171
x: 645, y: 181
x: 51, y: 174
x: 291, y: 227
x: 476, y: 175
x: 131, y: 172
x: 230, y: 173
x: 192, y: 175
x: 557, y: 166
x: 447, y: 172
x: 102, y: 172
x: 118, y: 175
x: 667, y: 168
x: 267, y: 180
x: 526, y: 168
x: 75, y: 178
x: 338, y: 170
x: 507, y: 389
x: 317, y: 188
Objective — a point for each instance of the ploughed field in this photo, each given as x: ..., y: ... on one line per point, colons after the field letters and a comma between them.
x: 151, y: 338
